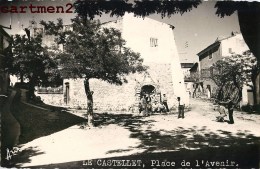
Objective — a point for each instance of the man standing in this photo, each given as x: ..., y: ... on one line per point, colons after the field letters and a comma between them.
x: 230, y: 110
x: 230, y: 106
x: 164, y: 99
x: 180, y: 108
x: 144, y: 105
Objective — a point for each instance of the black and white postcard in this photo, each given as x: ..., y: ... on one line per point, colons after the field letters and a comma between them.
x: 129, y: 84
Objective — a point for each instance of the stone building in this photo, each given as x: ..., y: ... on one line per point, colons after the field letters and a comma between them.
x: 222, y: 47
x: 188, y: 82
x: 156, y: 44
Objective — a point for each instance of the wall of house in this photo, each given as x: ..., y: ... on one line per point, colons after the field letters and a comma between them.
x: 207, y: 62
x: 227, y: 47
x: 52, y: 99
x: 233, y: 45
x: 140, y: 34
x: 247, y: 96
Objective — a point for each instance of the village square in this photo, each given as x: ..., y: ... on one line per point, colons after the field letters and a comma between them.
x: 131, y: 89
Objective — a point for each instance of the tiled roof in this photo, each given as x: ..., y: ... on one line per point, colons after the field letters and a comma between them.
x: 4, y: 33
x: 216, y: 43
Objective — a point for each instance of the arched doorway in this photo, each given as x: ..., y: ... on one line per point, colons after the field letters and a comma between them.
x: 153, y: 91
x: 147, y: 86
x: 147, y: 89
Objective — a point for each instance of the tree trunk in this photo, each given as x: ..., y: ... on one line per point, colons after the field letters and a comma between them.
x: 220, y: 92
x: 194, y: 92
x: 253, y: 79
x: 89, y: 103
x: 31, y: 95
x: 254, y: 92
x: 249, y: 22
x: 21, y: 77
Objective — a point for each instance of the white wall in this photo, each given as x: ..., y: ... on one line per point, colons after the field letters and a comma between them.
x: 138, y: 31
x: 236, y: 43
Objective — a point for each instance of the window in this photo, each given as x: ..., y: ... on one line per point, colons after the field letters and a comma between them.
x: 230, y: 50
x: 215, y: 71
x: 205, y: 73
x: 153, y: 42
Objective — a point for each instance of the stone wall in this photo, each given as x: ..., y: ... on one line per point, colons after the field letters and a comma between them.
x: 112, y: 97
x: 52, y: 99
x: 106, y: 96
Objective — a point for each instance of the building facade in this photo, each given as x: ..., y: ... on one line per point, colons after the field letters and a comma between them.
x: 222, y: 47
x: 188, y: 81
x: 156, y: 44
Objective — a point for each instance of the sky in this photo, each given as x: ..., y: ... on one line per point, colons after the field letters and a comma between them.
x: 194, y: 30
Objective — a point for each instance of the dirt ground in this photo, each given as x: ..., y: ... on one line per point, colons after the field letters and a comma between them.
x: 197, y: 139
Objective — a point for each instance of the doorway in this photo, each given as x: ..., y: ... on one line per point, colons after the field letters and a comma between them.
x: 66, y: 94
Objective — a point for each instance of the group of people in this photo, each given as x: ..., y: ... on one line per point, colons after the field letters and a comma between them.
x: 150, y: 105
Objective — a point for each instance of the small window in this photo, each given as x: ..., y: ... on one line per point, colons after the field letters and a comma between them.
x: 153, y: 42
x: 230, y: 50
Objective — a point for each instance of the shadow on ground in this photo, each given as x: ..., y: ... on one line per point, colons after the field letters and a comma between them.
x: 37, y: 122
x: 34, y: 123
x: 193, y: 143
x: 191, y: 138
x: 189, y: 144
